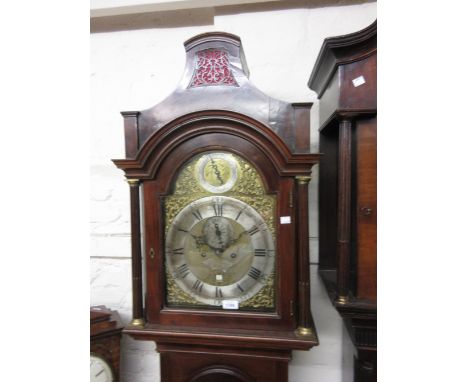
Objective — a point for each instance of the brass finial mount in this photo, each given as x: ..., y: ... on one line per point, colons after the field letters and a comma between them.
x: 302, y: 179
x: 303, y: 332
x: 140, y: 322
x: 133, y: 182
x: 342, y: 300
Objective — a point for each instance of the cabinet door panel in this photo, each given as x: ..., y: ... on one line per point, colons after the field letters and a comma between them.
x: 366, y: 157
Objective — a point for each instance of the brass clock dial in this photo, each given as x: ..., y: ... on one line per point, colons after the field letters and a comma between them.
x: 219, y: 248
x: 220, y: 235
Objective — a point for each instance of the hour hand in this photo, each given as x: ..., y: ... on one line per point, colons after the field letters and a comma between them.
x: 199, y: 240
x: 235, y: 241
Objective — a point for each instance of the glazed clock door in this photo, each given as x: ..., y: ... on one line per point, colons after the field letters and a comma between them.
x: 219, y: 240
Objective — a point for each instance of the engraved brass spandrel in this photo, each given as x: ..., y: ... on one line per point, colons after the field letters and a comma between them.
x: 187, y: 183
x: 265, y: 206
x: 265, y: 298
x: 176, y: 295
x: 250, y: 182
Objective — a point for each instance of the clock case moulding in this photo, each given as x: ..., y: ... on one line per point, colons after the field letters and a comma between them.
x: 220, y: 110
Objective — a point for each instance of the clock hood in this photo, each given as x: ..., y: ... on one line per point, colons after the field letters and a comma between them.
x: 216, y: 77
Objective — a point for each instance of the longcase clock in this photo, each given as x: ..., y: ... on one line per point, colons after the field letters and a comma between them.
x: 345, y: 79
x: 218, y: 176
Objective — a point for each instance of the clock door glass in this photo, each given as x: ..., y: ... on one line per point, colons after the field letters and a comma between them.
x: 219, y: 237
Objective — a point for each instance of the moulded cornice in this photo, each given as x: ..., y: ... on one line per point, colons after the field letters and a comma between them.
x: 341, y: 114
x: 169, y: 137
x: 341, y: 50
x: 212, y: 36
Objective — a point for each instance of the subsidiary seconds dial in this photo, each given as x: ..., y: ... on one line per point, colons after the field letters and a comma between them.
x: 219, y: 248
x: 217, y: 172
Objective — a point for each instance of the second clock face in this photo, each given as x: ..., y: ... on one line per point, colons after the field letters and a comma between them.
x: 100, y: 370
x: 217, y: 172
x: 219, y: 248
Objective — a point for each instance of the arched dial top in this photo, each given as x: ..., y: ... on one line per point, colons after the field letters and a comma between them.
x: 219, y: 234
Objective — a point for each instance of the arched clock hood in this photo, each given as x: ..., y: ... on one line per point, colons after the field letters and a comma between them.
x: 216, y: 77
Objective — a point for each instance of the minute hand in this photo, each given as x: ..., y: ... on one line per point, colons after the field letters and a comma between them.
x: 234, y: 241
x: 199, y: 240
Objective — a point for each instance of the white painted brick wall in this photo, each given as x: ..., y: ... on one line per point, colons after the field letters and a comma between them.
x: 133, y: 69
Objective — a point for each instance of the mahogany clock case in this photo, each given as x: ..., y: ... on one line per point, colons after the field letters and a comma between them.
x: 220, y: 113
x: 225, y: 135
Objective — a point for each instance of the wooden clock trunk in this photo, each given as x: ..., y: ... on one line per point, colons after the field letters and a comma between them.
x: 215, y: 110
x: 345, y: 79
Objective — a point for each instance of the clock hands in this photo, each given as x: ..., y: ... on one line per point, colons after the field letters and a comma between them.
x: 199, y: 240
x: 102, y: 371
x: 234, y: 241
x: 215, y: 168
x: 219, y: 234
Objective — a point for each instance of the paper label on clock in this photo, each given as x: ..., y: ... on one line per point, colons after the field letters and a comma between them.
x: 230, y: 304
x: 285, y: 219
x: 358, y: 81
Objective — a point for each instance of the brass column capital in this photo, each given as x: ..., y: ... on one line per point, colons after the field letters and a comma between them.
x: 139, y: 322
x: 133, y: 182
x: 341, y: 300
x: 302, y: 179
x: 301, y: 331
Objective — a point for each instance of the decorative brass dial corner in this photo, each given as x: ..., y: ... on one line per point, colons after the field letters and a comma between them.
x: 176, y: 295
x: 303, y: 332
x: 301, y: 179
x: 139, y: 322
x: 263, y: 299
x: 133, y: 182
x: 340, y: 300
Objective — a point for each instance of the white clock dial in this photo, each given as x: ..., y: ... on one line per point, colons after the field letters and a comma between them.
x: 219, y: 248
x: 100, y: 370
